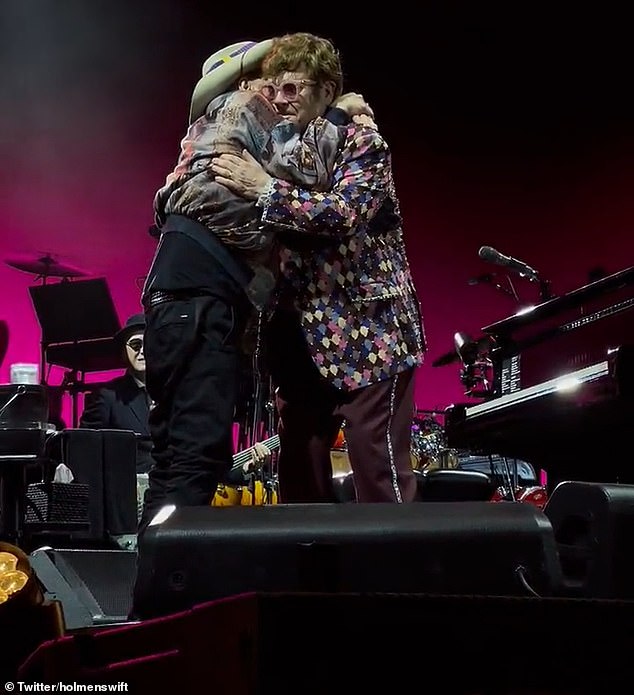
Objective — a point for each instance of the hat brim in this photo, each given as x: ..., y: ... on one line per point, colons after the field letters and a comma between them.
x: 220, y: 79
x: 121, y: 336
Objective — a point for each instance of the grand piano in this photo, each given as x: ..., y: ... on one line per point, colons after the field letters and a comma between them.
x: 562, y: 394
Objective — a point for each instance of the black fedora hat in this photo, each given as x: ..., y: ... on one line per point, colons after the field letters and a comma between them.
x: 134, y: 324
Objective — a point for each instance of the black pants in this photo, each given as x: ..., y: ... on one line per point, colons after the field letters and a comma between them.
x: 378, y: 425
x: 192, y: 356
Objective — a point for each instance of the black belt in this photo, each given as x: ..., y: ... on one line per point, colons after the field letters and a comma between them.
x: 158, y: 297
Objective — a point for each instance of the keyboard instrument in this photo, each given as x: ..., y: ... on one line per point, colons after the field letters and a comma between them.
x: 563, y: 381
x: 24, y: 428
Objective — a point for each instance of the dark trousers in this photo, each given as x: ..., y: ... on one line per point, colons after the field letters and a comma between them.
x: 192, y: 355
x: 378, y: 425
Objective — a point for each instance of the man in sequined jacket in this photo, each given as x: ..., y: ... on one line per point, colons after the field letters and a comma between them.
x: 346, y: 334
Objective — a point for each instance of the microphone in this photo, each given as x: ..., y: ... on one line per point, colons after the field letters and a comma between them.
x: 479, y: 279
x: 487, y: 253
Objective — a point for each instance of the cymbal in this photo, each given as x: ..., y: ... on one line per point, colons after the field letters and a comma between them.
x: 45, y: 266
x: 4, y: 339
x: 447, y: 358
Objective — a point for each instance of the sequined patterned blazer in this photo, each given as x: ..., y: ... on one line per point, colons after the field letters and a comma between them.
x: 345, y: 267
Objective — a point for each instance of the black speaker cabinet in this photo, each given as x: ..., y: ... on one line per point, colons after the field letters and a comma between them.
x: 198, y: 554
x: 93, y: 586
x: 593, y: 525
x: 105, y: 461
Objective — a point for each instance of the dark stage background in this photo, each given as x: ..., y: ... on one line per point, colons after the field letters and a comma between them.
x: 510, y: 127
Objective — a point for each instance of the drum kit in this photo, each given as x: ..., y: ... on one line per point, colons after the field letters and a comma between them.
x: 476, y: 375
x: 428, y: 446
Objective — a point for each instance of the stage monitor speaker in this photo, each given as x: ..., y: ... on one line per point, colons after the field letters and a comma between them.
x: 198, y: 554
x: 593, y: 524
x: 93, y: 586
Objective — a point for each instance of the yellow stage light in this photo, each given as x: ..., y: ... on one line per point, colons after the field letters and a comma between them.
x: 22, y: 604
x: 15, y: 573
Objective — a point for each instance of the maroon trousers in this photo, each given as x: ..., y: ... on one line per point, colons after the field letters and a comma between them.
x: 378, y: 426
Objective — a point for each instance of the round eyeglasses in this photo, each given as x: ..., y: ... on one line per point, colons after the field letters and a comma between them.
x: 289, y: 89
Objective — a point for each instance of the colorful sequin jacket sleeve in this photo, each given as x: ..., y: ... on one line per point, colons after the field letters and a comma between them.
x: 360, y: 184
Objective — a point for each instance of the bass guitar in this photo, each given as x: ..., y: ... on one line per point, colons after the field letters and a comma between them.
x: 253, y: 491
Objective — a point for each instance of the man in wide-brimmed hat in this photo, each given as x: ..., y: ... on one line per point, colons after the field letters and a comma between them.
x: 214, y: 263
x: 123, y: 403
x: 129, y: 339
x: 229, y: 113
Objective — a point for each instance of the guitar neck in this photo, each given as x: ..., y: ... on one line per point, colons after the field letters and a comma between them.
x: 243, y: 457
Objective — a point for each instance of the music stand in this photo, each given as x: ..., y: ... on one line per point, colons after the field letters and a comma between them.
x: 78, y: 321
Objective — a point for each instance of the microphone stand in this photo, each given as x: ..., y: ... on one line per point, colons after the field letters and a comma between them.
x: 18, y: 392
x: 545, y: 292
x: 505, y: 290
x: 513, y: 291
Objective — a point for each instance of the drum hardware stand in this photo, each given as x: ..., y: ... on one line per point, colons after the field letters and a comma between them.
x: 272, y: 480
x: 262, y: 423
x: 511, y: 482
x: 256, y: 422
x: 73, y: 382
x: 474, y: 375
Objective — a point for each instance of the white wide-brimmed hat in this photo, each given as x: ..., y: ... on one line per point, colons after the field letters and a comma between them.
x: 224, y: 68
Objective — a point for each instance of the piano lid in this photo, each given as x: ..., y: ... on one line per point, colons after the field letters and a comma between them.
x: 558, y: 305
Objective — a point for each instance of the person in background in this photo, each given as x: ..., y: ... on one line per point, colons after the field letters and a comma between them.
x: 345, y: 335
x: 123, y: 402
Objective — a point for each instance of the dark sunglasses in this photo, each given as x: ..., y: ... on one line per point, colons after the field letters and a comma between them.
x: 135, y: 344
x: 289, y: 89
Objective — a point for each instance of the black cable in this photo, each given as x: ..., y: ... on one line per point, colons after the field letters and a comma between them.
x: 520, y: 573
